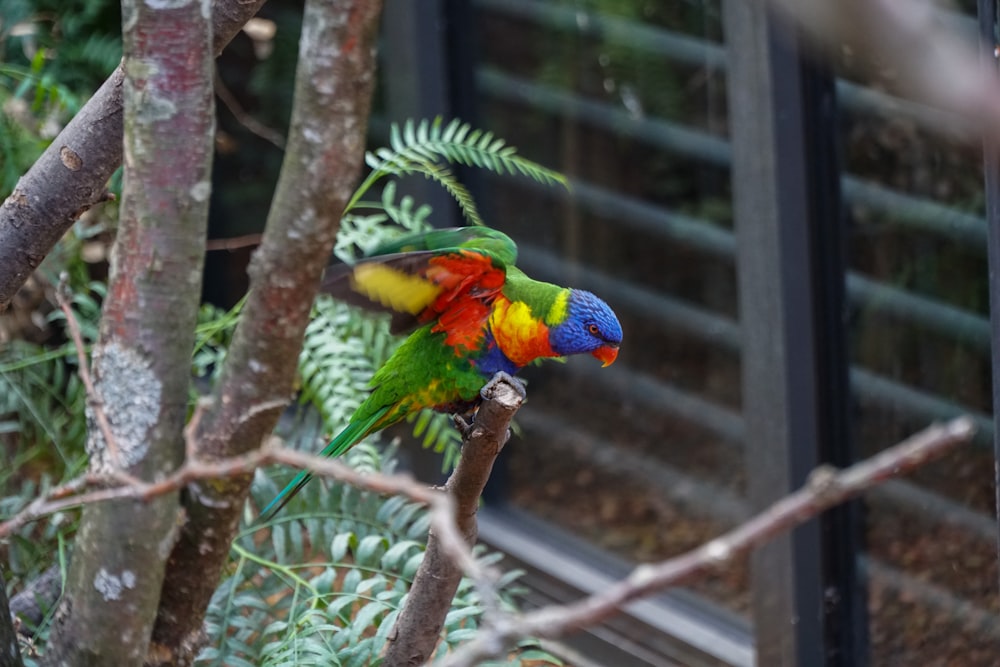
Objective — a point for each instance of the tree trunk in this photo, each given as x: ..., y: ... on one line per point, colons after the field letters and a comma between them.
x: 333, y: 88
x: 142, y: 358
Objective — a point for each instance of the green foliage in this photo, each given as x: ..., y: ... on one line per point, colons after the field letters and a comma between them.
x: 41, y: 397
x: 419, y: 148
x: 43, y: 429
x: 360, y: 234
x: 213, y: 334
x: 325, y: 586
x: 80, y: 40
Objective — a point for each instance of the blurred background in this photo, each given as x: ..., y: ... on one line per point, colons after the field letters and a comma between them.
x: 880, y: 263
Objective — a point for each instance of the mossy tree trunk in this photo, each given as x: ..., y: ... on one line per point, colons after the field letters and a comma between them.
x: 142, y: 359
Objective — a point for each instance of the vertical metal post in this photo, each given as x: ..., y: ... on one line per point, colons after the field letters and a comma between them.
x: 988, y: 40
x: 808, y: 606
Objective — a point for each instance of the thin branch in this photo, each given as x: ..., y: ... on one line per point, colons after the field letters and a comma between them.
x: 83, y: 370
x: 929, y: 60
x: 243, y: 118
x: 233, y: 242
x: 825, y: 488
x: 114, y: 485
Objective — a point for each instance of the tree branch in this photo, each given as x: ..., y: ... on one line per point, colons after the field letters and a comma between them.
x: 72, y: 174
x: 97, y: 487
x: 333, y: 88
x: 418, y: 627
x: 825, y: 488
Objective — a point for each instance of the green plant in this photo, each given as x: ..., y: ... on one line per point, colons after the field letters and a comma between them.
x: 419, y: 148
x: 325, y: 586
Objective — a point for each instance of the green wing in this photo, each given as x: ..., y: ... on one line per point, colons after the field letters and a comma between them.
x: 481, y: 239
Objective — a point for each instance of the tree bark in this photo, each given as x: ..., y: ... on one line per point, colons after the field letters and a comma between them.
x: 10, y: 654
x: 33, y: 602
x: 418, y: 627
x: 72, y: 174
x: 333, y: 88
x: 142, y: 358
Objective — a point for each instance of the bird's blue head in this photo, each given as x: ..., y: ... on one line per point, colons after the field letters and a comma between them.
x: 589, y: 326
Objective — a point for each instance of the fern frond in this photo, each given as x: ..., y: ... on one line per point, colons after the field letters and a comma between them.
x: 419, y: 148
x: 459, y: 143
x: 337, y: 360
x: 329, y: 584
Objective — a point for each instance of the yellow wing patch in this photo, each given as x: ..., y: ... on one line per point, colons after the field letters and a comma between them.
x: 394, y: 289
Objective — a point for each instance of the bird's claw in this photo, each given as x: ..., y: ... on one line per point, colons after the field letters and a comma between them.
x: 499, y: 377
x: 462, y: 425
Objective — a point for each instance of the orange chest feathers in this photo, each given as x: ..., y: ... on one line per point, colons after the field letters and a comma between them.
x: 518, y: 333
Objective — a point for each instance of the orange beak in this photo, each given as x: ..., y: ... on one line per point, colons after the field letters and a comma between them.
x: 606, y: 354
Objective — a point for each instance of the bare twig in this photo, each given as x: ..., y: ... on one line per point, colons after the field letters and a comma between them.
x: 243, y: 118
x: 928, y: 59
x: 234, y: 242
x: 83, y: 369
x: 825, y: 488
x: 98, y: 487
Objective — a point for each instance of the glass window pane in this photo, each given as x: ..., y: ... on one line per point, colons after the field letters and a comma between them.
x: 921, y: 351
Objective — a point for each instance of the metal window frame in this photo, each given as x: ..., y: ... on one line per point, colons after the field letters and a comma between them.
x: 809, y: 605
x: 989, y: 20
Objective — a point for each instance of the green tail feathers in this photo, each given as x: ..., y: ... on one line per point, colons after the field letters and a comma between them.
x: 346, y: 439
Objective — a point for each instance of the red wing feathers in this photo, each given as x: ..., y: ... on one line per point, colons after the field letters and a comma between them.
x: 456, y: 288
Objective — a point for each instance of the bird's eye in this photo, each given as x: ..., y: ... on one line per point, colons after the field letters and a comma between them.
x: 593, y: 329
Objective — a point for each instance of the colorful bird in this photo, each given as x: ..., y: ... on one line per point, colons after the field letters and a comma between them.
x: 475, y: 314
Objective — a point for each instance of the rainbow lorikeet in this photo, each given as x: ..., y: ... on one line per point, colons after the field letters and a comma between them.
x: 474, y: 314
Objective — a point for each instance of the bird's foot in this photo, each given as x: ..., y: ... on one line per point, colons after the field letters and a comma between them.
x: 462, y: 425
x: 500, y: 377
